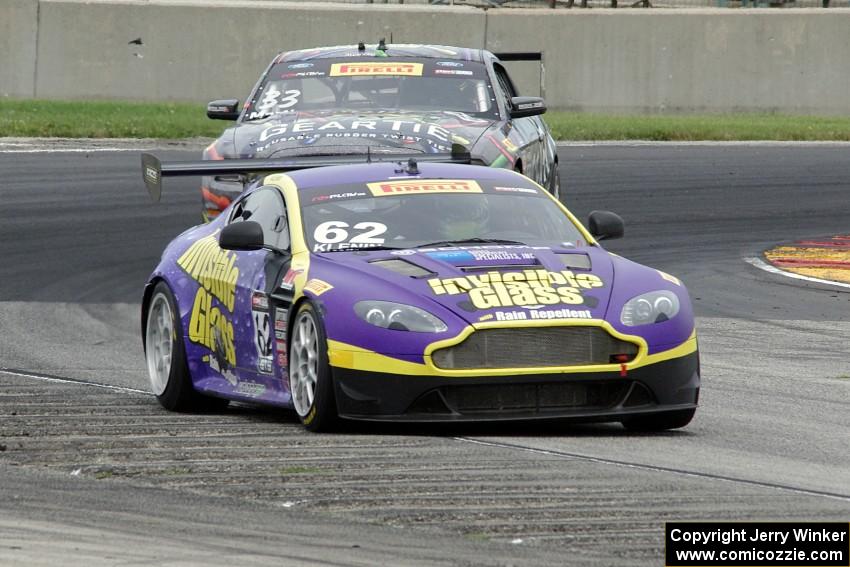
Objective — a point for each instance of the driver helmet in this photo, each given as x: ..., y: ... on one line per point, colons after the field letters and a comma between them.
x: 463, y: 216
x: 419, y: 92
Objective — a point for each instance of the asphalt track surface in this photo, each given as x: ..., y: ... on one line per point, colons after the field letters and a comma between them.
x: 100, y: 475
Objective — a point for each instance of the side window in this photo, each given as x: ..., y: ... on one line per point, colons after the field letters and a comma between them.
x: 505, y: 84
x: 265, y: 206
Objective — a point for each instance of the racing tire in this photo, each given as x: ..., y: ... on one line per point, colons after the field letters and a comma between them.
x: 165, y: 355
x: 555, y: 184
x: 310, y: 379
x: 660, y: 422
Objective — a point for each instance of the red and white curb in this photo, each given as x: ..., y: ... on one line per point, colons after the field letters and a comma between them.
x: 762, y: 265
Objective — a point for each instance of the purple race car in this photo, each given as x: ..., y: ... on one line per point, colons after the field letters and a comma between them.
x: 413, y: 292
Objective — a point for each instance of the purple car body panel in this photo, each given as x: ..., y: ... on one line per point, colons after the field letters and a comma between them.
x: 235, y: 323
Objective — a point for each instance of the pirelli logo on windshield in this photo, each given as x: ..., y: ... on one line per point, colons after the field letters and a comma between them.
x: 385, y: 188
x: 376, y: 68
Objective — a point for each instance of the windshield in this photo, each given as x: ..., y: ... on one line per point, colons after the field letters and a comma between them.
x: 374, y: 84
x: 413, y: 213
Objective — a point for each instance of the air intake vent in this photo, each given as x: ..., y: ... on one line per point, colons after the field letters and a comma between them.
x: 486, y: 268
x: 575, y: 261
x: 532, y: 347
x: 535, y: 398
x: 403, y: 267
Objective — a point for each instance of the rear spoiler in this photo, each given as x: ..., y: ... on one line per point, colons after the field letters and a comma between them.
x: 520, y: 56
x: 153, y: 170
x: 527, y: 56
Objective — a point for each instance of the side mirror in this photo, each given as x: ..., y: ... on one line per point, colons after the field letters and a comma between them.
x: 522, y: 106
x: 605, y: 225
x: 245, y: 235
x: 223, y: 109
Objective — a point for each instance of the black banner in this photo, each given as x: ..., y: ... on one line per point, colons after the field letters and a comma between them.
x: 757, y: 544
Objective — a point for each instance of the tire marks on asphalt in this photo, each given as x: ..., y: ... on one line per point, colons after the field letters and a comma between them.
x: 503, y: 445
x: 666, y: 470
x: 407, y: 479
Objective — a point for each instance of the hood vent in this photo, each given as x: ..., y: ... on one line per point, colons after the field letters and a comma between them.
x: 575, y: 261
x: 486, y: 268
x: 404, y: 268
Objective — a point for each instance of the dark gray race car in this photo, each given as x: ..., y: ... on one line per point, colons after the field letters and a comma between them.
x: 373, y: 99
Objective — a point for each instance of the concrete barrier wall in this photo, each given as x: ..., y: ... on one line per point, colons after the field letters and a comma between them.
x: 18, y: 36
x: 789, y: 60
x: 686, y: 60
x: 203, y: 50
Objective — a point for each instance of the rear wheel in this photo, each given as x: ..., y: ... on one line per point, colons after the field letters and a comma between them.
x: 165, y: 355
x: 310, y: 381
x: 660, y: 422
x: 555, y: 184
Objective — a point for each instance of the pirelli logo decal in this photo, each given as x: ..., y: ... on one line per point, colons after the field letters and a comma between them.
x: 317, y: 287
x: 376, y: 68
x: 385, y: 188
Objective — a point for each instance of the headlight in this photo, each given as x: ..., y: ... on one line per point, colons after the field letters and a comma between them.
x: 398, y: 317
x: 653, y: 307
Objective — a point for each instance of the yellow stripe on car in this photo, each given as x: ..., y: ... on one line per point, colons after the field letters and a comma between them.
x: 352, y: 357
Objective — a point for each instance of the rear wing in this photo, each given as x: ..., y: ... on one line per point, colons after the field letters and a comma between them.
x: 153, y: 170
x: 520, y: 56
x: 510, y: 56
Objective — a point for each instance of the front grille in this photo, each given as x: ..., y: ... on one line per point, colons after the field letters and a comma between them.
x: 535, y: 398
x: 533, y: 347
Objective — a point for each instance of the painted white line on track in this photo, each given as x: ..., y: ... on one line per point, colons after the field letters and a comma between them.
x: 22, y: 145
x: 708, y: 143
x: 653, y: 468
x: 56, y: 379
x: 71, y: 150
x: 762, y: 265
x: 87, y: 145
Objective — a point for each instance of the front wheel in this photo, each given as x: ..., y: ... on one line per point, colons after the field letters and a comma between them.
x: 660, y: 422
x: 165, y: 355
x: 310, y: 381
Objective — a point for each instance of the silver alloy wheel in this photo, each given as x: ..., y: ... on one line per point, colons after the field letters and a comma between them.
x: 159, y: 343
x: 304, y: 363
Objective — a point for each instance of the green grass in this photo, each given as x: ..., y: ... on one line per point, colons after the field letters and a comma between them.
x: 186, y: 120
x: 721, y: 127
x: 42, y: 118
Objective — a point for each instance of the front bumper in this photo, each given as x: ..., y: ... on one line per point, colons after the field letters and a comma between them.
x: 670, y: 385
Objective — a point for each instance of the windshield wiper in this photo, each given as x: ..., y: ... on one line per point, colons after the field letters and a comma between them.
x: 475, y: 240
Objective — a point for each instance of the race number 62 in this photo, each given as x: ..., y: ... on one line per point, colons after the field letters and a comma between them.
x: 334, y: 232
